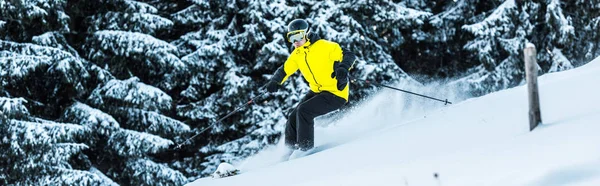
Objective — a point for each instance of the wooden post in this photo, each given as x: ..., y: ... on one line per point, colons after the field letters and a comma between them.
x: 531, y: 69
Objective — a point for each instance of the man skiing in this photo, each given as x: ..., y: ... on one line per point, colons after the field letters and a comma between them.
x: 324, y: 65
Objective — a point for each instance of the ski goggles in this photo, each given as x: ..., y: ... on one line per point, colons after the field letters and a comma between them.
x: 296, y: 35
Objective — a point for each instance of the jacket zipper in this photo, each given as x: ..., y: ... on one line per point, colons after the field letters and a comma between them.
x: 311, y: 72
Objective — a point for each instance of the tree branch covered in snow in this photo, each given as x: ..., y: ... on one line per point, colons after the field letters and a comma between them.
x: 72, y: 177
x: 131, y: 93
x: 129, y: 143
x: 36, y: 148
x: 132, y: 22
x: 563, y: 30
x: 136, y: 54
x: 95, y: 119
x: 150, y: 122
x: 560, y: 62
x: 34, y: 16
x: 45, y: 71
x: 497, y: 25
x: 34, y: 132
x: 21, y: 66
x: 54, y: 40
x: 13, y: 107
x: 133, y: 6
x: 146, y: 172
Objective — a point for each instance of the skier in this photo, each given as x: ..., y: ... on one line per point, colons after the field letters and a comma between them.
x: 324, y: 65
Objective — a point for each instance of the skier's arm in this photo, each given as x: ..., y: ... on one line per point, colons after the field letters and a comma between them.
x: 346, y: 57
x: 288, y: 68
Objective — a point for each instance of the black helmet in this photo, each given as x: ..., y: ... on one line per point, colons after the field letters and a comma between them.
x: 298, y: 24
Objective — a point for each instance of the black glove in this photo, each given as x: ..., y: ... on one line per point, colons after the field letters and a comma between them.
x: 271, y: 86
x: 341, y: 74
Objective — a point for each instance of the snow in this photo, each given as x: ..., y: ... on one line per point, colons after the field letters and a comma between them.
x: 479, y: 141
x: 559, y: 61
x: 139, y: 7
x: 224, y: 170
x: 13, y: 106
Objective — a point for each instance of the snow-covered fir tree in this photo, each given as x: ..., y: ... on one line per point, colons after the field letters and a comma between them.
x: 499, y: 38
x: 37, y: 151
x: 440, y: 52
x: 584, y: 16
x: 561, y: 32
x: 46, y: 74
x: 501, y: 34
x: 20, y: 20
x: 121, y: 40
x: 126, y: 55
x: 132, y: 115
x: 55, y: 40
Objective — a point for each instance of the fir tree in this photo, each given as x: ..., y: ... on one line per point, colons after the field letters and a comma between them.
x: 440, y: 54
x: 499, y: 40
x: 139, y: 109
x: 582, y: 17
x: 20, y: 20
x: 120, y: 38
x: 46, y: 74
x: 127, y: 54
x: 37, y: 151
x: 55, y: 40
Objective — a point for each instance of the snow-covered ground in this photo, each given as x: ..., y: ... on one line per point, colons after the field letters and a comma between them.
x: 402, y: 140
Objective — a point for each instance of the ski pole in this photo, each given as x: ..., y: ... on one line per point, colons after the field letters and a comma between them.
x: 446, y: 102
x: 253, y: 100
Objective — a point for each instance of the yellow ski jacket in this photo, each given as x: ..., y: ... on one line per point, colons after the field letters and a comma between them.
x: 317, y: 60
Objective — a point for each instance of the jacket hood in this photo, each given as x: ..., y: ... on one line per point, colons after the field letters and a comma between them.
x: 312, y: 37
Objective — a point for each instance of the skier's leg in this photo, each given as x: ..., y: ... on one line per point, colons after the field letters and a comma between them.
x: 306, y: 112
x: 290, y: 126
x: 290, y: 130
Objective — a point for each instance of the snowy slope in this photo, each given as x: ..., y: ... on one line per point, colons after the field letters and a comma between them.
x: 479, y: 141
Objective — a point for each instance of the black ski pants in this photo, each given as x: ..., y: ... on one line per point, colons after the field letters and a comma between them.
x: 299, y: 129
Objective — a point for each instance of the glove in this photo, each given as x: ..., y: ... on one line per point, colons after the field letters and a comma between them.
x: 271, y: 87
x: 341, y: 74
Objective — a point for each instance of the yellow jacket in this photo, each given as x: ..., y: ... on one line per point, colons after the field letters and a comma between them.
x: 316, y: 61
